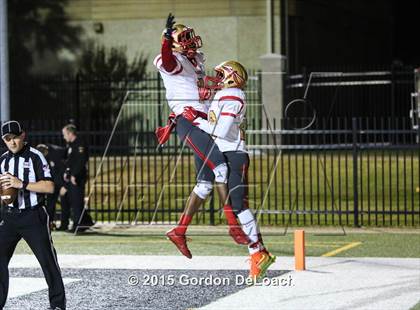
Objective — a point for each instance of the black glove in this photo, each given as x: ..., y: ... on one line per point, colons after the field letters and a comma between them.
x: 169, y: 26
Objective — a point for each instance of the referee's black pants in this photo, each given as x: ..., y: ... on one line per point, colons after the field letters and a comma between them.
x: 76, y: 198
x: 33, y: 227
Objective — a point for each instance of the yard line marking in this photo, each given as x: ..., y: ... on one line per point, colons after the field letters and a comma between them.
x: 308, y: 244
x: 342, y: 249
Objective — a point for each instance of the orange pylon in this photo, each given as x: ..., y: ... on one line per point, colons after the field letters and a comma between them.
x: 299, y: 250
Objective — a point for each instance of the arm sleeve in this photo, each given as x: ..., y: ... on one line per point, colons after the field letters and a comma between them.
x: 223, y: 125
x: 41, y: 168
x: 229, y: 109
x: 220, y: 129
x: 159, y: 65
x: 204, y: 125
x: 2, y: 165
x: 168, y: 59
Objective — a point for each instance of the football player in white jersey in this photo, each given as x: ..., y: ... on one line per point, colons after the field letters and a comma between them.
x: 181, y: 67
x: 225, y: 123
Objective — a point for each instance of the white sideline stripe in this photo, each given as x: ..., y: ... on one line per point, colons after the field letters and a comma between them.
x: 196, y: 263
x: 336, y: 283
x: 23, y: 286
x: 141, y: 262
x: 329, y: 282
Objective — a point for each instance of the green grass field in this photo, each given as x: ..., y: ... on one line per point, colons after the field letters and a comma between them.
x: 388, y: 182
x: 214, y: 241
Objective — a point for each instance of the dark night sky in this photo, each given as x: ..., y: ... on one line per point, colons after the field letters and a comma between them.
x: 354, y: 32
x: 407, y: 25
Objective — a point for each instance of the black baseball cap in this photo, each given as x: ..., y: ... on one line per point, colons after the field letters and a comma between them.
x: 11, y: 127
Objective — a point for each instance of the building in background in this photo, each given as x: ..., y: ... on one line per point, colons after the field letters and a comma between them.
x: 230, y: 29
x: 307, y: 35
x: 308, y: 32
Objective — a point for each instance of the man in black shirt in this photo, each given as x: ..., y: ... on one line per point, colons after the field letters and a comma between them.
x: 75, y: 177
x: 25, y: 169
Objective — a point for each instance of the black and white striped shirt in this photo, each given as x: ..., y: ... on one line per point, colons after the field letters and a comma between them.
x: 29, y: 165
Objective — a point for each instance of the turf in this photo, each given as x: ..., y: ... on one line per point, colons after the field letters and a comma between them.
x: 402, y: 243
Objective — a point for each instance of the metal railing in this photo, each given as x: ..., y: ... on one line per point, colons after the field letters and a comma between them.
x: 361, y: 172
x: 339, y: 91
x: 358, y: 91
x: 92, y: 101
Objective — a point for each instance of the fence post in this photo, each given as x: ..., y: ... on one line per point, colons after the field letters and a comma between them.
x: 393, y: 81
x: 355, y: 173
x: 77, y: 96
x: 418, y: 128
x: 211, y: 209
x: 159, y: 85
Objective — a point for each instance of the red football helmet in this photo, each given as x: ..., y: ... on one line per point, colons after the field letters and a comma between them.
x: 184, y: 40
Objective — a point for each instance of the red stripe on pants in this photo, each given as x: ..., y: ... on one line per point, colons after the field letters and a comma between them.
x: 206, y: 160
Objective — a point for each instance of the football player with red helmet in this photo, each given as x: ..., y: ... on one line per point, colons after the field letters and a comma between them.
x: 226, y: 123
x: 181, y: 67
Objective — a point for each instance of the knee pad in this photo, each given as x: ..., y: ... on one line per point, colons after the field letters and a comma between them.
x: 221, y: 173
x: 203, y: 189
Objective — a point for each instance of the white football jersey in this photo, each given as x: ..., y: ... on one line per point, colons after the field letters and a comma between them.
x: 181, y: 83
x: 226, y: 120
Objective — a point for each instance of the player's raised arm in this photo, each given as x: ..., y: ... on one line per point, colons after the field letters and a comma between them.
x: 168, y: 59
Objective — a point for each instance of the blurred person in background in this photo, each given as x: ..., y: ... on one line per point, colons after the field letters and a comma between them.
x: 54, y: 155
x: 75, y: 177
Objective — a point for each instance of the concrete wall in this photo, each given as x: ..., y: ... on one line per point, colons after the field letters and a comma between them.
x: 239, y: 38
x: 230, y: 29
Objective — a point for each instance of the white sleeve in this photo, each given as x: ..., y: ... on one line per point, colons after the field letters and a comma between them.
x: 223, y: 125
x: 220, y: 129
x: 2, y: 166
x: 157, y: 62
x: 204, y: 125
x: 230, y: 107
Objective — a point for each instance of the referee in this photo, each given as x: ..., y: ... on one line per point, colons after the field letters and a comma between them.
x: 26, y: 169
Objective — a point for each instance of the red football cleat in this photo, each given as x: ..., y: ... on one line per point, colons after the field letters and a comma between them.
x: 238, y: 235
x: 180, y: 242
